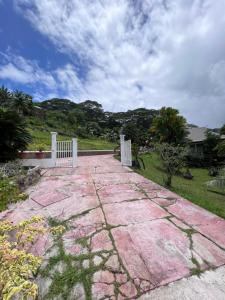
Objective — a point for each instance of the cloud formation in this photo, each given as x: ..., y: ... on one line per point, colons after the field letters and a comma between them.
x: 133, y: 53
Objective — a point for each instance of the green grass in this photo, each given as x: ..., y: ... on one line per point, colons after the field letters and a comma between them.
x: 43, y: 139
x: 194, y: 190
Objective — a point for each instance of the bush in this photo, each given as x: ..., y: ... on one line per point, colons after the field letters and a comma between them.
x: 11, y: 169
x: 14, y: 135
x: 9, y: 193
x: 173, y: 160
x: 17, y: 265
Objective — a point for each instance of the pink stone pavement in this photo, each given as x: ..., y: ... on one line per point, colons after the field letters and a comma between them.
x: 139, y: 235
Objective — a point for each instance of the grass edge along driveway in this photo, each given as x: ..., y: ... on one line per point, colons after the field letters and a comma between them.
x: 194, y: 190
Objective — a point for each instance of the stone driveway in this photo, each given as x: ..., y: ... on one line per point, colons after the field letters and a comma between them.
x: 125, y: 235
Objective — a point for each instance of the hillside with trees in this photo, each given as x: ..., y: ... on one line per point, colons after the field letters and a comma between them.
x: 85, y: 120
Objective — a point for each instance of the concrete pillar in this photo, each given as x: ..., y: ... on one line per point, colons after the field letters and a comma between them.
x: 122, y: 138
x: 54, y: 148
x: 74, y: 152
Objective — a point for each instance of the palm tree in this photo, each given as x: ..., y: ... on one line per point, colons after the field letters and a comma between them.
x: 22, y: 103
x: 14, y: 135
x: 5, y: 97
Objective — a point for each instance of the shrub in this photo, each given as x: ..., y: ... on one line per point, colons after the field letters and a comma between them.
x: 173, y: 159
x: 9, y: 193
x: 11, y: 169
x: 14, y: 135
x: 17, y: 265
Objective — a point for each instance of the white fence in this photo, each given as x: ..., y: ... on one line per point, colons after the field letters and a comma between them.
x: 64, y: 153
x: 125, y: 151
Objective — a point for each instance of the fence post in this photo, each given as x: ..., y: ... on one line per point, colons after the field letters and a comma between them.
x: 122, y: 136
x: 129, y: 162
x: 54, y: 148
x: 74, y: 152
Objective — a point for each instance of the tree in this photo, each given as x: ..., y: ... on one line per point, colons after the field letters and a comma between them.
x: 221, y: 149
x: 22, y: 103
x: 14, y: 136
x: 210, y: 146
x: 222, y: 130
x: 5, y: 97
x: 169, y: 127
x: 173, y: 159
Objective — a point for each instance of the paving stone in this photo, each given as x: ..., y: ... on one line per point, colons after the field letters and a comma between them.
x: 70, y: 206
x: 77, y: 292
x: 43, y: 286
x: 133, y: 212
x: 86, y: 264
x: 214, y: 230
x: 97, y: 260
x: 41, y: 245
x: 94, y: 219
x: 180, y: 224
x: 119, y: 193
x: 111, y: 178
x: 101, y: 290
x: 149, y: 186
x: 164, y: 193
x: 49, y: 197
x: 155, y: 251
x: 103, y: 276
x: 164, y: 202
x: 78, y: 179
x: 101, y: 241
x: 121, y: 278
x: 209, y: 286
x: 191, y: 213
x: 58, y: 172
x: 113, y: 263
x: 80, y: 189
x: 208, y: 251
x: 128, y: 289
x: 83, y: 170
x: 152, y: 249
x: 111, y: 169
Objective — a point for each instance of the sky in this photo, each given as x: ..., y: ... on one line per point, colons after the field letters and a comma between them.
x: 124, y: 54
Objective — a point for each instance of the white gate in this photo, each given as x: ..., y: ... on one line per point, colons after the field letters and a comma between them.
x: 125, y: 150
x: 64, y: 153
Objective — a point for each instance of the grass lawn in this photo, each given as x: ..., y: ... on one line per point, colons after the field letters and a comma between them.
x: 43, y: 139
x: 194, y: 190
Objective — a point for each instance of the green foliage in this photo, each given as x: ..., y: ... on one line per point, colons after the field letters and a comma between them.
x: 210, y: 146
x: 17, y: 265
x: 14, y: 135
x: 137, y: 135
x: 173, y: 160
x: 16, y: 101
x: 9, y: 190
x: 5, y: 97
x: 9, y: 193
x: 11, y: 169
x: 169, y: 127
x: 22, y: 103
x: 222, y: 130
x: 220, y: 149
x: 194, y: 190
x: 43, y: 139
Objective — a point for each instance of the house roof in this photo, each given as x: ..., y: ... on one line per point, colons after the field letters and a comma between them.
x: 199, y: 134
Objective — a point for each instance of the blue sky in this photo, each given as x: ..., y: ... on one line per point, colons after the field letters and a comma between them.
x: 123, y: 53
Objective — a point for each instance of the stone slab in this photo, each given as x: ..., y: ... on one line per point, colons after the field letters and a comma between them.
x: 126, y: 213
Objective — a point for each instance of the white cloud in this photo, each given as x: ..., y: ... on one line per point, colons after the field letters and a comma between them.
x: 17, y: 68
x: 137, y: 53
